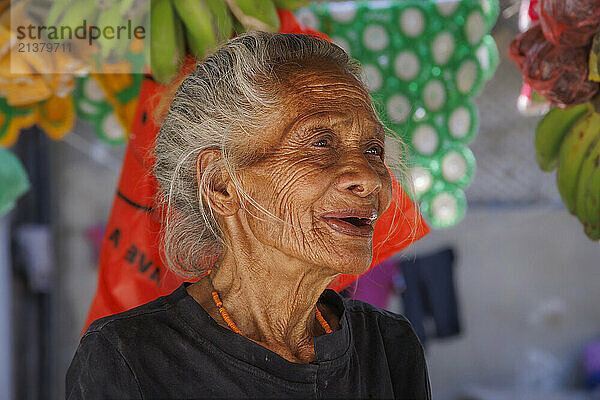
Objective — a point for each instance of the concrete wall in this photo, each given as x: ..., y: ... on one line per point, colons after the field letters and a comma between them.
x: 527, y: 280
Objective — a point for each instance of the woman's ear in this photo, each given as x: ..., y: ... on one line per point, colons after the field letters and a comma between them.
x: 219, y: 191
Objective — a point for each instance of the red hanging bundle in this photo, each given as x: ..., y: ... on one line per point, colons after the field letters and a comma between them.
x: 571, y: 23
x: 557, y: 73
x: 553, y: 54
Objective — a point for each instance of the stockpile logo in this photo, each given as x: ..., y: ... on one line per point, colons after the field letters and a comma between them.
x: 81, y: 36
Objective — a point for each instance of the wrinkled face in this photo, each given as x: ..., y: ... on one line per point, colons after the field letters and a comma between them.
x: 323, y: 174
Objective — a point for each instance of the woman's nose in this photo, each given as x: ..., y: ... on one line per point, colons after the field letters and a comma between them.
x: 358, y: 177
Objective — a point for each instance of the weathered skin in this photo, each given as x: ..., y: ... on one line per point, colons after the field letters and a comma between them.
x: 324, y: 152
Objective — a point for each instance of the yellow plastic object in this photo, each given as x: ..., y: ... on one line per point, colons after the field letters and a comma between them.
x: 57, y: 116
x: 12, y: 122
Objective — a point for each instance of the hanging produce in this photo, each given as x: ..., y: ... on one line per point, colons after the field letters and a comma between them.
x: 570, y: 23
x: 569, y: 140
x: 558, y: 57
x: 95, y: 17
x: 560, y: 74
x: 553, y: 54
x: 198, y: 26
x: 530, y: 103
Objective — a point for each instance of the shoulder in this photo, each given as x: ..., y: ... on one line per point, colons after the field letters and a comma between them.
x: 135, y: 321
x: 389, y: 324
x: 103, y: 365
x: 359, y: 306
x: 381, y: 332
x: 140, y: 313
x: 99, y: 370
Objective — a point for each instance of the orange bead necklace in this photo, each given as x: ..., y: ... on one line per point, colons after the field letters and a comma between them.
x: 234, y: 328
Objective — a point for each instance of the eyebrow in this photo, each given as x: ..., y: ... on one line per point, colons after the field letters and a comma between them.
x: 334, y: 120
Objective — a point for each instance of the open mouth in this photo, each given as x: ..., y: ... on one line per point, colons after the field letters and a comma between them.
x: 352, y: 223
x: 357, y: 221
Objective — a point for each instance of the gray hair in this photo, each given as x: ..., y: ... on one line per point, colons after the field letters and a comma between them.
x: 220, y: 105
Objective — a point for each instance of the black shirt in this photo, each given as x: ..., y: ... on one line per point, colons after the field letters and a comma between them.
x: 172, y: 348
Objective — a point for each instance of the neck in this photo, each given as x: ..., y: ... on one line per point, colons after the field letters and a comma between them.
x: 272, y: 300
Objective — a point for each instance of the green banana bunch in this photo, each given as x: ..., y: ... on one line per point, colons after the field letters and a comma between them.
x: 57, y: 11
x: 203, y: 24
x: 127, y: 8
x: 167, y: 41
x: 572, y: 153
x: 255, y: 14
x: 551, y: 131
x: 75, y: 13
x: 110, y: 17
x: 588, y: 193
x: 238, y: 28
x: 120, y: 50
x: 137, y: 11
x: 197, y: 19
x: 222, y: 19
x: 592, y: 202
x: 570, y: 140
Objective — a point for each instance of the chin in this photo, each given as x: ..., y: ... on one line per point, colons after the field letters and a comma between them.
x: 352, y: 264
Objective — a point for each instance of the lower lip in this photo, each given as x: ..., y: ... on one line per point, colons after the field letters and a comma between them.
x: 339, y: 225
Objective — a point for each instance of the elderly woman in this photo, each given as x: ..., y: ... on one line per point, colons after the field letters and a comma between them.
x: 273, y: 173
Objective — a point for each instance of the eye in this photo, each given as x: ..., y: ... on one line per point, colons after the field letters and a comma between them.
x: 375, y: 150
x: 323, y: 142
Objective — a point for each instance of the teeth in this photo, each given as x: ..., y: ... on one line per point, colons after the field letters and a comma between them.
x: 355, y: 220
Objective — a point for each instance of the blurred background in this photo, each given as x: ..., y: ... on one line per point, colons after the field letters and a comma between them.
x: 504, y: 291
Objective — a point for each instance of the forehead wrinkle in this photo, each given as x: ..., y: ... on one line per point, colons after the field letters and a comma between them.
x: 346, y: 98
x: 333, y: 88
x: 317, y: 79
x: 313, y: 94
x: 326, y: 86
